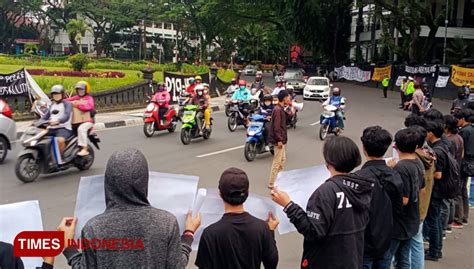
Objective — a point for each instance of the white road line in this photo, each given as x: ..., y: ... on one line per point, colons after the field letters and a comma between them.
x: 313, y: 124
x: 220, y: 151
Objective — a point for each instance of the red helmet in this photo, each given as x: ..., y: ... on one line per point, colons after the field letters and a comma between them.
x: 242, y: 82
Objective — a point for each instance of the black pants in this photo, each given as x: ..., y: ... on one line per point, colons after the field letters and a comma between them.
x: 385, y: 91
x: 162, y: 112
x: 402, y: 99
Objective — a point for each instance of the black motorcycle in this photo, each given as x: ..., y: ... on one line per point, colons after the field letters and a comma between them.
x: 239, y: 112
x: 36, y: 157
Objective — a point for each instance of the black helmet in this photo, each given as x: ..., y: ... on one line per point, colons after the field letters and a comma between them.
x: 57, y: 89
x: 267, y: 97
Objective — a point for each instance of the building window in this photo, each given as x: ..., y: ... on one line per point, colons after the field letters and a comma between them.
x: 168, y: 26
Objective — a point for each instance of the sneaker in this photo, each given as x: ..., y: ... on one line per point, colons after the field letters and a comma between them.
x: 83, y: 152
x: 444, y: 236
x: 267, y: 148
x: 464, y: 222
x: 200, y: 133
x: 431, y: 258
x: 449, y: 230
x: 457, y: 225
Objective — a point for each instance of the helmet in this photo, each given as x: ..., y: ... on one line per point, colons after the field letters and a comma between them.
x: 198, y: 78
x: 242, y: 82
x: 191, y: 80
x: 161, y: 85
x: 336, y: 91
x: 267, y: 97
x: 83, y: 85
x: 234, y: 80
x: 57, y: 89
x: 461, y: 93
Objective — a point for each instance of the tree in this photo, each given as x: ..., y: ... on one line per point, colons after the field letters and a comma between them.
x: 76, y: 29
x: 458, y: 49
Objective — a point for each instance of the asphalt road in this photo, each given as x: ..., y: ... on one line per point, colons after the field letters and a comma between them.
x: 207, y: 159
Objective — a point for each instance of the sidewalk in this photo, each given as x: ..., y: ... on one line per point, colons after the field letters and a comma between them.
x: 122, y: 118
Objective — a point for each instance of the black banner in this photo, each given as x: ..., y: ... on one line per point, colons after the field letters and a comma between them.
x: 13, y: 84
x: 177, y: 83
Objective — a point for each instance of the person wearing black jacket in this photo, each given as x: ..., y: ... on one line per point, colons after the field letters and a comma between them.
x: 387, y: 196
x: 337, y: 212
x: 9, y: 261
x: 238, y: 240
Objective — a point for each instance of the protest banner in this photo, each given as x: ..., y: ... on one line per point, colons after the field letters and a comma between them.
x: 442, y: 81
x: 381, y: 72
x: 352, y: 73
x: 171, y: 192
x: 300, y: 185
x: 16, y: 218
x: 461, y: 75
x: 420, y: 69
x: 400, y: 80
x: 177, y: 83
x: 13, y: 84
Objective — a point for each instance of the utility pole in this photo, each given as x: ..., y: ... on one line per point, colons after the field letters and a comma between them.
x: 445, y: 32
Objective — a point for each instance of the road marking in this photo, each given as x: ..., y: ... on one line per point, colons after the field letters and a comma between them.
x: 316, y: 123
x: 220, y: 151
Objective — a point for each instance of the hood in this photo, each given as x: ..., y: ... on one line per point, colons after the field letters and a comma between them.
x: 357, y: 189
x: 126, y: 180
x: 427, y: 160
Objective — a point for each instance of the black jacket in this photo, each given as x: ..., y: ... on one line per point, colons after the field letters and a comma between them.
x: 334, y: 223
x: 385, y: 208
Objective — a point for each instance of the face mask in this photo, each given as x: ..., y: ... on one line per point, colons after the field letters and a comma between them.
x: 81, y: 92
x: 199, y: 92
x: 268, y: 103
x: 242, y: 87
x: 336, y: 94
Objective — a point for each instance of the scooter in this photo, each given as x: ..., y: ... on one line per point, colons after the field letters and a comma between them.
x: 238, y: 113
x: 182, y: 102
x: 190, y: 128
x: 36, y: 158
x: 328, y: 122
x: 255, y: 143
x: 228, y: 100
x: 293, y: 110
x: 152, y: 121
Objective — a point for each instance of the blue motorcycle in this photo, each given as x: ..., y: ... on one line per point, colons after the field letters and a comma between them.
x: 255, y: 143
x: 328, y: 122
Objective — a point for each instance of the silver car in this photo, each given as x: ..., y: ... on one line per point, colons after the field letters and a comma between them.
x: 7, y: 130
x: 250, y: 70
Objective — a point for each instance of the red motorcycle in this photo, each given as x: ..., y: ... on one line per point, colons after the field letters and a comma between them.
x: 152, y: 120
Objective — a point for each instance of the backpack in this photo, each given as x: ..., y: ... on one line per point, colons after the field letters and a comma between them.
x: 451, y: 184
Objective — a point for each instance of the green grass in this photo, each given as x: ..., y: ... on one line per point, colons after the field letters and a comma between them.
x: 97, y: 84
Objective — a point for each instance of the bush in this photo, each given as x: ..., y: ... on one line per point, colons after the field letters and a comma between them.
x: 226, y: 75
x: 79, y: 61
x: 107, y: 74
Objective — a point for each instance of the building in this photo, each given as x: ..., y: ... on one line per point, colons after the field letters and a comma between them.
x: 460, y: 23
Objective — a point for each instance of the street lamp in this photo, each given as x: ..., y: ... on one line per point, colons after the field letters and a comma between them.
x: 445, y: 32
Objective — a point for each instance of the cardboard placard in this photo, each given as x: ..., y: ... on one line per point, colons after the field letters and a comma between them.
x: 79, y: 116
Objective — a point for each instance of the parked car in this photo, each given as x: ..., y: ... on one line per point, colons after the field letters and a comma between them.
x: 295, y: 78
x: 7, y: 130
x: 250, y: 70
x: 317, y: 88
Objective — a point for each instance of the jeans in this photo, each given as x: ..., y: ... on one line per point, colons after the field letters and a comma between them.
x: 372, y: 264
x: 447, y: 212
x: 340, y: 119
x: 462, y: 203
x: 435, y: 226
x: 400, y: 250
x: 417, y: 250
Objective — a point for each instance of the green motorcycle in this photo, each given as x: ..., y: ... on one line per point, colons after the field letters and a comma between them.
x: 190, y: 128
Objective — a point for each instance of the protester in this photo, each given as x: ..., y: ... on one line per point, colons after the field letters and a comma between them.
x: 9, y: 261
x: 411, y: 170
x: 278, y: 136
x: 410, y: 89
x: 451, y: 131
x: 465, y: 122
x: 238, y: 239
x: 385, y: 83
x: 387, y: 197
x: 461, y: 102
x: 128, y: 214
x: 337, y: 212
x: 434, y: 219
x: 417, y: 101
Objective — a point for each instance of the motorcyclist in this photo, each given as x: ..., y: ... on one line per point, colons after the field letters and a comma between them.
x: 190, y: 88
x: 201, y: 99
x: 258, y: 83
x: 232, y: 87
x: 461, y: 102
x: 266, y: 110
x: 198, y: 80
x: 242, y: 93
x: 162, y: 98
x: 59, y: 119
x: 280, y: 85
x: 340, y: 102
x: 85, y: 103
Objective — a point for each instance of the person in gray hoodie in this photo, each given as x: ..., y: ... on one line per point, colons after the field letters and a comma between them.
x: 128, y: 214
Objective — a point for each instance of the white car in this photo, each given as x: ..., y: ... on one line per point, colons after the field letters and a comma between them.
x: 317, y: 88
x: 7, y: 130
x: 250, y: 70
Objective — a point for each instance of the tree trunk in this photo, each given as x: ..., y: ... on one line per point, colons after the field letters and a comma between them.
x: 334, y: 45
x: 373, y: 29
x: 359, y: 28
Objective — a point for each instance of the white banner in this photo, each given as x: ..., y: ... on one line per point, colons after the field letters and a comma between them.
x: 300, y: 185
x: 352, y: 73
x: 171, y: 192
x: 19, y: 217
x: 400, y: 80
x: 420, y: 69
x: 442, y: 81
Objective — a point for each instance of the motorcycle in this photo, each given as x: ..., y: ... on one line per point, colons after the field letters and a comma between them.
x: 228, y: 100
x: 292, y: 110
x: 190, y: 128
x: 238, y: 115
x: 255, y: 143
x: 182, y: 102
x: 36, y: 158
x: 152, y: 121
x: 328, y: 122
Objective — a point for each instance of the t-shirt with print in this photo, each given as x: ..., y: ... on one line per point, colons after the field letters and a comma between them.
x: 412, y: 173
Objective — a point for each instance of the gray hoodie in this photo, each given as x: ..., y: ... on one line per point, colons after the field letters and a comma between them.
x: 128, y: 214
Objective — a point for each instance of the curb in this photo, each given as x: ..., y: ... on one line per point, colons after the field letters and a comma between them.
x: 129, y: 122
